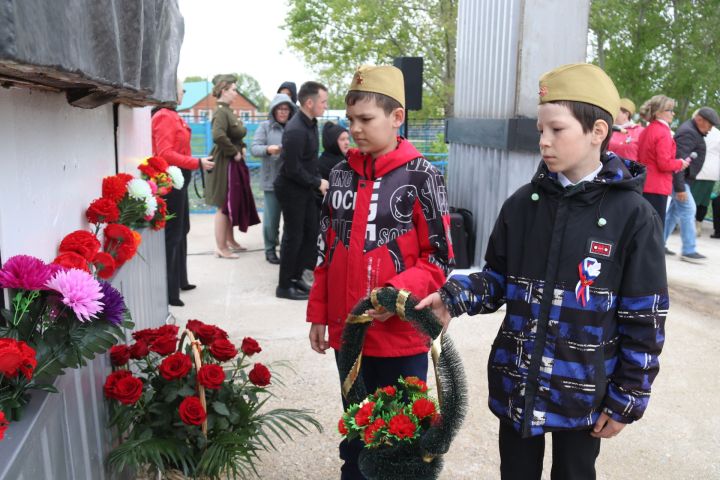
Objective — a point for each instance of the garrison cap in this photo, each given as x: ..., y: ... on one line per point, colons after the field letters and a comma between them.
x: 384, y: 79
x: 580, y: 82
x: 627, y: 104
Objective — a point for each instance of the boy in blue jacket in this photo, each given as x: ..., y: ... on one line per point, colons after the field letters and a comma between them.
x: 577, y: 255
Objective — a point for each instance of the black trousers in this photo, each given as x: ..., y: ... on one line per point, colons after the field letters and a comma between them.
x: 176, y: 230
x: 659, y: 203
x: 716, y: 214
x: 573, y: 456
x: 377, y: 372
x: 300, y: 229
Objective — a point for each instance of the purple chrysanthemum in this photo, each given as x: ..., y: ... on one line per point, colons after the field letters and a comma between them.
x: 114, y: 303
x: 80, y: 291
x: 25, y: 272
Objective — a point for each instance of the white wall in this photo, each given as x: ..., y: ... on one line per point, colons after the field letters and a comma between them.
x: 134, y: 138
x: 52, y: 158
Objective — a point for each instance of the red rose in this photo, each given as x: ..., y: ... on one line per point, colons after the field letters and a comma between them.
x: 416, y: 383
x: 158, y: 163
x: 168, y: 330
x: 147, y: 335
x: 81, y: 242
x: 111, y: 381
x: 115, y: 187
x: 259, y: 375
x: 164, y: 345
x: 139, y: 350
x: 128, y: 390
x: 3, y: 424
x: 250, y: 347
x: 342, y: 428
x: 102, y: 210
x: 119, y: 242
x: 362, y: 417
x: 191, y: 411
x: 402, y: 426
x: 16, y: 357
x: 194, y: 325
x: 175, y: 366
x: 207, y: 334
x: 72, y: 260
x: 104, y: 265
x: 422, y: 407
x: 372, y: 429
x: 223, y: 349
x: 119, y: 355
x: 211, y: 376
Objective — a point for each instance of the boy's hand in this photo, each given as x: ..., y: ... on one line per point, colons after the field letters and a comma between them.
x: 438, y: 308
x: 606, y: 427
x: 380, y: 315
x: 318, y: 342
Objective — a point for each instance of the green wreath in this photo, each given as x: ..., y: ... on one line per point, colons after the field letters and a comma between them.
x: 423, y: 459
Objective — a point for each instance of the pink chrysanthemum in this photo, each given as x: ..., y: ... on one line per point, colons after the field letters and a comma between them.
x: 25, y: 272
x: 80, y: 291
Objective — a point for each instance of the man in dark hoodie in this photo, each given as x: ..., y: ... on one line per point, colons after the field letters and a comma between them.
x: 336, y: 143
x: 289, y: 89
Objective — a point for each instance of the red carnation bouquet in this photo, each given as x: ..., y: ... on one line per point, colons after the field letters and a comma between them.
x: 193, y: 406
x: 393, y: 415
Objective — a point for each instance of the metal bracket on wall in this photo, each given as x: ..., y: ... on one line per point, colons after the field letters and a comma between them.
x: 516, y: 134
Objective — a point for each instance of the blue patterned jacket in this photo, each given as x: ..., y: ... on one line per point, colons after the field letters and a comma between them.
x: 566, y: 353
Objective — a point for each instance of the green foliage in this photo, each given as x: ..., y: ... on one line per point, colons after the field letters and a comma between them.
x: 194, y: 79
x: 652, y: 47
x: 250, y: 87
x: 335, y: 36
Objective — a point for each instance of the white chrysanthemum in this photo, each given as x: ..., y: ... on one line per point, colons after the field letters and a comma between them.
x: 139, y: 189
x: 150, y: 205
x: 176, y: 176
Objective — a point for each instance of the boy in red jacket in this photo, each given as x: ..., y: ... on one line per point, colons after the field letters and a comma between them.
x: 384, y: 222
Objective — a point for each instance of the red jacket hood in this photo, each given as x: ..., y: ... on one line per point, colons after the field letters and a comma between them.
x: 363, y: 163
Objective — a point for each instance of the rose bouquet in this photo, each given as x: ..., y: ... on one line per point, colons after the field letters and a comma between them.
x: 60, y: 318
x: 193, y: 407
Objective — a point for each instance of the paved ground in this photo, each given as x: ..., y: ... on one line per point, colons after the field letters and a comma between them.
x: 679, y: 438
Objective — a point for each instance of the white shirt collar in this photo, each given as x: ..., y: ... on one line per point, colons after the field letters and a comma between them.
x: 565, y: 182
x: 663, y: 122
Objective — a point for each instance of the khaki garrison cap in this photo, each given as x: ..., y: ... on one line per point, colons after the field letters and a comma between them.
x: 384, y: 79
x: 627, y: 104
x: 580, y: 82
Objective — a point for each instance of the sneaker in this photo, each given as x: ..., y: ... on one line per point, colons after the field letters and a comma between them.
x: 715, y: 235
x: 693, y: 258
x: 668, y: 251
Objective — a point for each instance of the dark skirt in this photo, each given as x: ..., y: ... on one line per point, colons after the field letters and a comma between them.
x: 240, y: 204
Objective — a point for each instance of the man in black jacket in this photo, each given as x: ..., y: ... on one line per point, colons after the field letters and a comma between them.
x: 689, y: 138
x: 295, y: 189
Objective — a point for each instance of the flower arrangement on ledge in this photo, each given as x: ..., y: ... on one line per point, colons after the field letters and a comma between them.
x: 64, y: 313
x: 60, y: 318
x: 195, y: 407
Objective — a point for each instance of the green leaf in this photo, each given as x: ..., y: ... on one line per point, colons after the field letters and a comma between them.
x: 221, y: 408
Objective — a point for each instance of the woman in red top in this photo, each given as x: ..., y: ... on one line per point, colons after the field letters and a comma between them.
x: 171, y: 141
x: 656, y: 150
x: 624, y: 141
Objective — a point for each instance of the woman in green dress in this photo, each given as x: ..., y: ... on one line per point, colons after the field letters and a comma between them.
x: 228, y: 185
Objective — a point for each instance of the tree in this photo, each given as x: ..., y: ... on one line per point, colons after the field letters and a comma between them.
x: 250, y: 87
x: 194, y: 79
x: 335, y: 36
x: 651, y: 47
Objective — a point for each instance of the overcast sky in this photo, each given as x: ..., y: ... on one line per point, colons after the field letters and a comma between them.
x: 226, y: 36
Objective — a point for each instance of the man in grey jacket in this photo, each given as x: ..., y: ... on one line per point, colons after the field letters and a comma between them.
x: 266, y: 146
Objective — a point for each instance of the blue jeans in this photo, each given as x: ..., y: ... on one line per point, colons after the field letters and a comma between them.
x: 684, y: 214
x: 271, y: 221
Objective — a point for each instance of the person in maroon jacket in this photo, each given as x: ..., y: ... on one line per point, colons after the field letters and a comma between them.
x: 171, y: 141
x: 656, y: 150
x: 384, y: 222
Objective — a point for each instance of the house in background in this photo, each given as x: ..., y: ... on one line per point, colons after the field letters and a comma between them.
x: 199, y: 104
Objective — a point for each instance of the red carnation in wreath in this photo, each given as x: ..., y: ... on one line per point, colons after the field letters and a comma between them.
x: 372, y: 429
x: 148, y: 170
x: 120, y: 242
x: 104, y: 265
x: 342, y: 428
x: 422, y: 407
x: 158, y: 163
x: 362, y: 417
x: 416, y: 383
x: 402, y: 426
x: 102, y: 210
x: 115, y: 187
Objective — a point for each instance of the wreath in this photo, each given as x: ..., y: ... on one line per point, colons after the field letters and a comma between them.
x: 421, y: 459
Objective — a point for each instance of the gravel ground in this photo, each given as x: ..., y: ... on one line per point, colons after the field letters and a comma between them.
x: 679, y: 438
